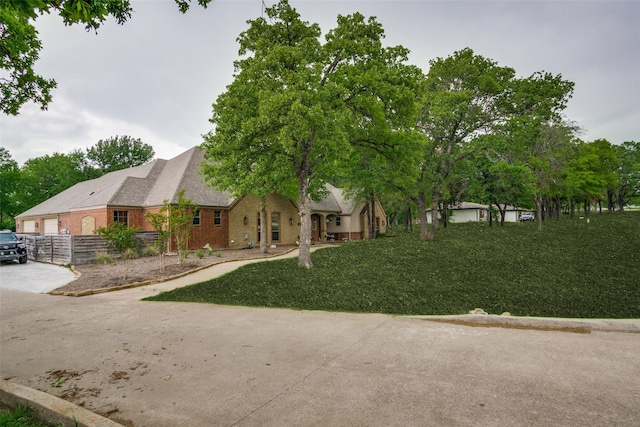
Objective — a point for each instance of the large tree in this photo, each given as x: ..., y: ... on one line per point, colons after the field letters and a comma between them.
x: 592, y: 171
x: 20, y: 46
x: 119, y: 152
x: 300, y: 105
x: 9, y: 188
x: 44, y: 177
x: 628, y: 173
x: 465, y: 97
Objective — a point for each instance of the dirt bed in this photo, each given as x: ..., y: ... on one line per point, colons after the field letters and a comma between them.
x: 144, y: 269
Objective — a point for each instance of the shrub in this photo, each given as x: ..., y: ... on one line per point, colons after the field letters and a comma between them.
x: 103, y: 258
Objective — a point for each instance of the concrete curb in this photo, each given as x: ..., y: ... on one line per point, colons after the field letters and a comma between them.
x: 581, y: 326
x: 50, y: 408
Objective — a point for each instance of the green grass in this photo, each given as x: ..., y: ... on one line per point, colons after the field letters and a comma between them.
x: 572, y: 268
x: 21, y: 416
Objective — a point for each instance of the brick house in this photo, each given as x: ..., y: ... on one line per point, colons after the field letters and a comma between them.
x: 222, y: 221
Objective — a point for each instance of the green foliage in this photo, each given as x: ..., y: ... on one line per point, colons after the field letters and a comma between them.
x: 572, y: 268
x: 44, y: 177
x: 180, y: 221
x: 296, y: 105
x: 628, y: 173
x: 10, y: 186
x: 20, y: 45
x: 120, y: 237
x: 119, y: 152
x: 20, y: 49
x: 472, y: 104
x: 21, y: 416
x: 159, y: 222
x: 103, y: 258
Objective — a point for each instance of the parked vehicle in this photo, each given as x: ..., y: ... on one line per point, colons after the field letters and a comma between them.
x: 527, y: 216
x: 11, y: 248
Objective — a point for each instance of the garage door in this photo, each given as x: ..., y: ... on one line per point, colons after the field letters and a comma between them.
x: 51, y: 226
x: 29, y: 226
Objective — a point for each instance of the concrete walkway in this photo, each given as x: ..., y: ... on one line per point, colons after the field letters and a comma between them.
x: 166, y: 364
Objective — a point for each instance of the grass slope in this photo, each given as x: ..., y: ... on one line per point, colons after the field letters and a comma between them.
x: 572, y: 268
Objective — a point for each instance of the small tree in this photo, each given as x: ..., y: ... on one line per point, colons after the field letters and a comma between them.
x: 160, y: 223
x: 121, y: 239
x: 180, y: 222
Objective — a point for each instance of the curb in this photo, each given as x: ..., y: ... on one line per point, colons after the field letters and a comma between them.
x: 553, y: 324
x: 50, y: 408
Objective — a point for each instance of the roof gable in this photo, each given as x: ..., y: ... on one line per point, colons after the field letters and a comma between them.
x: 141, y: 186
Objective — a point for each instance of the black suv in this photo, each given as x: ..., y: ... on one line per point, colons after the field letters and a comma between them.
x: 11, y: 248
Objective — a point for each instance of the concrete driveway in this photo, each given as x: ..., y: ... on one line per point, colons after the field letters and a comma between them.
x: 34, y: 276
x: 166, y: 364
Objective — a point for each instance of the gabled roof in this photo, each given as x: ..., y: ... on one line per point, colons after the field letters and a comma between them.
x: 151, y: 184
x: 141, y: 186
x: 334, y: 202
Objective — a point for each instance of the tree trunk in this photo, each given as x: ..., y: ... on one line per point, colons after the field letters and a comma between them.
x: 409, y: 220
x: 621, y: 199
x: 445, y: 214
x: 538, y: 201
x: 264, y: 248
x: 374, y: 231
x: 422, y: 211
x: 572, y: 208
x: 304, y: 256
x: 435, y: 202
x: 611, y: 200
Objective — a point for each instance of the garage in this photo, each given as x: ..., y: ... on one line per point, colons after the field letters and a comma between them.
x: 51, y: 226
x: 29, y: 226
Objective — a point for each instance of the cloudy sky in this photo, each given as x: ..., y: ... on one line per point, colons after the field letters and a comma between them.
x: 156, y: 77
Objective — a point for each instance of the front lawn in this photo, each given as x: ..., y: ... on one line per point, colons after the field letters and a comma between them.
x: 572, y: 268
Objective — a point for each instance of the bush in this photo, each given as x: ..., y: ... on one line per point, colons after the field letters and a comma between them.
x: 103, y: 258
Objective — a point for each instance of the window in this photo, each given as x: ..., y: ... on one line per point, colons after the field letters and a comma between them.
x: 217, y: 217
x: 121, y: 216
x: 377, y: 224
x: 275, y: 227
x: 338, y: 221
x: 196, y: 217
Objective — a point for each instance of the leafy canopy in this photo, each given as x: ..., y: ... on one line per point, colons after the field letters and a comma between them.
x: 297, y: 106
x: 119, y: 152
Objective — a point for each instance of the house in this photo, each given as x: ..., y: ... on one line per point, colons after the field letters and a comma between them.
x: 476, y: 212
x: 222, y: 221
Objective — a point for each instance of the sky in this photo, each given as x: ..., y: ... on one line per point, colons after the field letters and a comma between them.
x: 156, y: 77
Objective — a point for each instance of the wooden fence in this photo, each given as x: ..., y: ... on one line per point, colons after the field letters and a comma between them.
x: 66, y: 249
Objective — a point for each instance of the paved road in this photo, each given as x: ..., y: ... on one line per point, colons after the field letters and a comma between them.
x: 167, y: 364
x: 34, y: 276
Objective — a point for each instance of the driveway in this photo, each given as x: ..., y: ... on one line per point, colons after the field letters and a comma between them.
x: 34, y: 276
x: 166, y: 364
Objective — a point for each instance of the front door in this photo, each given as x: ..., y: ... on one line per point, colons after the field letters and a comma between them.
x: 315, y: 228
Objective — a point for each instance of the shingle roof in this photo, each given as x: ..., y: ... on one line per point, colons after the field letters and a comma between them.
x: 335, y: 202
x: 143, y: 186
x: 153, y: 183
